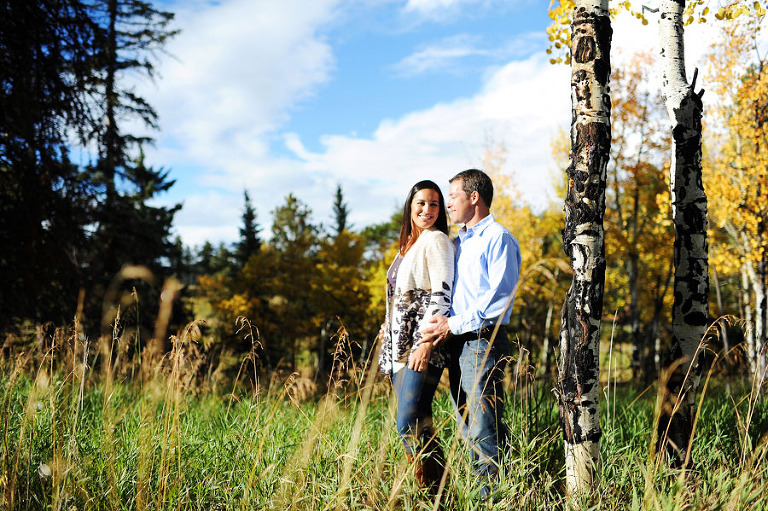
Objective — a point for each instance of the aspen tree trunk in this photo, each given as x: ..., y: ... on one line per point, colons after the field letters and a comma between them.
x: 544, y: 356
x: 761, y: 305
x: 584, y: 243
x: 690, y: 311
x: 752, y: 352
x: 762, y: 311
x: 637, y: 340
x: 758, y: 349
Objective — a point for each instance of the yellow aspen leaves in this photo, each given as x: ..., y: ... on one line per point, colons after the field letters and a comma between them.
x: 736, y: 9
x: 736, y: 166
x: 695, y: 11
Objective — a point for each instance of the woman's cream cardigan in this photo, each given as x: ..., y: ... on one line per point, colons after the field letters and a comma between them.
x: 422, y: 289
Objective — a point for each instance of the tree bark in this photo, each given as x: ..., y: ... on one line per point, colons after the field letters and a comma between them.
x: 690, y: 311
x: 112, y: 144
x: 757, y: 279
x: 584, y: 243
x: 749, y: 330
x: 637, y: 341
x: 762, y: 311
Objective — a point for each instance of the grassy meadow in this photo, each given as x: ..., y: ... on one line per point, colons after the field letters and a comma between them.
x: 87, y: 427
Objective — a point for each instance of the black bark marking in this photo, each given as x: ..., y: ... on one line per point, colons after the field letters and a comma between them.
x: 602, y: 71
x: 603, y: 34
x: 585, y: 50
x: 697, y: 318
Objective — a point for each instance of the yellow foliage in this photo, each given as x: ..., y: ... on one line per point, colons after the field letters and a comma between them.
x: 638, y: 230
x: 736, y: 171
x: 695, y: 11
x: 538, y: 235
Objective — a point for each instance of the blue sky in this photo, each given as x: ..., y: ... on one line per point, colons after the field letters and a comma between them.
x: 297, y: 96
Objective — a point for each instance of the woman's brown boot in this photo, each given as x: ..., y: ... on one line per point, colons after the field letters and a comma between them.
x: 432, y: 462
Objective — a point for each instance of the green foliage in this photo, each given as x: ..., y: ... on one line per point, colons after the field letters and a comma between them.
x: 298, y: 290
x: 380, y: 237
x: 42, y: 43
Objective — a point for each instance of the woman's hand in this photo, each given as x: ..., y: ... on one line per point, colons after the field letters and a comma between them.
x: 419, y: 359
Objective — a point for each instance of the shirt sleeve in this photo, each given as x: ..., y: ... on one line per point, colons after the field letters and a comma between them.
x: 439, y: 255
x: 440, y: 259
x: 498, y: 285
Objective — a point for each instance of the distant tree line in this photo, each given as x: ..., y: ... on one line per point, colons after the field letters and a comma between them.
x: 304, y: 289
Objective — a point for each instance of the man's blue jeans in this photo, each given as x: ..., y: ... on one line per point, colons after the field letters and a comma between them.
x: 477, y: 387
x: 415, y: 392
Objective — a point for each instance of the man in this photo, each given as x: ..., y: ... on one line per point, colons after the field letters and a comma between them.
x: 486, y: 274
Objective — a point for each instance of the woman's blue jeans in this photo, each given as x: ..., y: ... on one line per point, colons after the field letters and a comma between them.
x: 477, y: 388
x: 415, y: 392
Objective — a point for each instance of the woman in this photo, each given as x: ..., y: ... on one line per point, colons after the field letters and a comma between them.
x: 419, y: 284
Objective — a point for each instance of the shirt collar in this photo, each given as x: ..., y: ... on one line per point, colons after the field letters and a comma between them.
x: 478, y: 228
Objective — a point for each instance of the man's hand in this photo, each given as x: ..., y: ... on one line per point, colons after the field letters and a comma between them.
x: 436, y: 331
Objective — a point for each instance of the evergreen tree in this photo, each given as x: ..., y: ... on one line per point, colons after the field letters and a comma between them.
x: 382, y: 236
x: 295, y: 245
x: 249, y: 243
x: 132, y: 32
x: 204, y: 259
x: 340, y: 211
x: 65, y: 228
x: 128, y: 230
x: 46, y: 55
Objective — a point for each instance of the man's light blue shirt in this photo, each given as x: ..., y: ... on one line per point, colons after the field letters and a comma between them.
x: 487, y: 271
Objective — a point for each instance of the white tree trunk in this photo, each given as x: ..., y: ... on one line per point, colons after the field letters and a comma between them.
x: 761, y: 312
x: 690, y: 312
x: 584, y: 243
x: 749, y: 330
x: 757, y: 347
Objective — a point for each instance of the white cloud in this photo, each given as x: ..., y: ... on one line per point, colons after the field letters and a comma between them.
x: 238, y: 67
x: 439, y: 56
x: 198, y: 222
x: 523, y: 105
x: 223, y: 104
x: 220, y: 112
x: 438, y: 9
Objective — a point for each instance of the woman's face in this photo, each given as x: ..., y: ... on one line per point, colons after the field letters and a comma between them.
x: 425, y: 206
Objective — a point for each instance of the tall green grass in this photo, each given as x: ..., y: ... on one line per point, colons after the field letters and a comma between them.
x: 80, y: 433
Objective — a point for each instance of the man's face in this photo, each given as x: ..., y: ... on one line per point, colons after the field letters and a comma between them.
x: 459, y: 205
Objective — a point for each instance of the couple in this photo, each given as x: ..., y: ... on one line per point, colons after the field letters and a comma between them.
x: 444, y: 300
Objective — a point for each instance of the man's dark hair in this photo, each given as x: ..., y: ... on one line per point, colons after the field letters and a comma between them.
x: 473, y: 180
